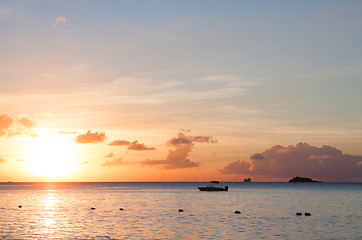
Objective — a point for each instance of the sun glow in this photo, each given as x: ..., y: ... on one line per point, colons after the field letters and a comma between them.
x: 51, y: 156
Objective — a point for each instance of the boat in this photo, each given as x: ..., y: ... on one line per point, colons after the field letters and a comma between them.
x: 214, y: 186
x: 247, y: 180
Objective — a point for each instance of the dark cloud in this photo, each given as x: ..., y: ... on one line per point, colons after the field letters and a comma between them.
x: 119, y: 143
x: 90, y: 137
x: 139, y: 146
x: 180, y: 140
x: 179, y: 158
x: 183, y: 139
x: 204, y: 139
x: 325, y: 163
x: 257, y: 156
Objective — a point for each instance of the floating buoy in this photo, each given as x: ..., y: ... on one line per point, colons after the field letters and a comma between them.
x: 307, y: 214
x: 93, y: 208
x: 237, y: 212
x: 121, y: 209
x: 180, y: 210
x: 299, y: 214
x: 20, y: 206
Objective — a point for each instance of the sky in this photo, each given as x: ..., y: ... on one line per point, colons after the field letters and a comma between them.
x: 180, y: 90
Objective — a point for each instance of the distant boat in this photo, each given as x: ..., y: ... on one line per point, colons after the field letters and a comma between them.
x: 247, y: 180
x: 214, y: 186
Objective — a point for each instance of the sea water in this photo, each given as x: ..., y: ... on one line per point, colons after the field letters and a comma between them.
x: 151, y: 211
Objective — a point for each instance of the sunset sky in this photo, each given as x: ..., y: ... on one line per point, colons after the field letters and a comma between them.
x: 180, y: 90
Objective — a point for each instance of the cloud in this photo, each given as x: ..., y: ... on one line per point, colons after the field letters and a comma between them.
x: 139, y: 146
x: 183, y: 139
x: 325, y: 163
x: 2, y: 160
x: 204, y: 139
x: 179, y: 158
x: 26, y: 122
x: 90, y: 137
x: 10, y: 127
x: 257, y: 156
x: 59, y: 19
x: 119, y: 143
x: 5, y: 122
x: 114, y: 162
x: 67, y: 132
x: 135, y: 145
x: 109, y: 155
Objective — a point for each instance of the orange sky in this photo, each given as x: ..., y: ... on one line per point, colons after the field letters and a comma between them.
x: 190, y: 91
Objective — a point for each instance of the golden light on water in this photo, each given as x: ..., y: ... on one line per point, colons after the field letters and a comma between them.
x: 51, y: 156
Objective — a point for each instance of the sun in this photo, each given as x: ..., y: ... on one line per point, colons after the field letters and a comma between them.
x: 51, y: 156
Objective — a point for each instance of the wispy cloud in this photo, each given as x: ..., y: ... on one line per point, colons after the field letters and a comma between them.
x: 68, y: 132
x: 90, y: 137
x: 135, y: 145
x: 119, y: 143
x: 59, y: 19
x: 114, y: 162
x: 325, y: 163
x: 2, y: 160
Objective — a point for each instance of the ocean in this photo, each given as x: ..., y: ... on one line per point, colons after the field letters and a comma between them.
x: 151, y: 211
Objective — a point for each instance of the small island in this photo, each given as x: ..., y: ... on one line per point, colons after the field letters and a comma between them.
x: 302, y: 179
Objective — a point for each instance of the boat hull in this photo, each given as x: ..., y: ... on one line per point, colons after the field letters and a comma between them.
x: 213, y: 189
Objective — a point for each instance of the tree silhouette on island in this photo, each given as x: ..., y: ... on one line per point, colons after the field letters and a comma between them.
x: 302, y: 179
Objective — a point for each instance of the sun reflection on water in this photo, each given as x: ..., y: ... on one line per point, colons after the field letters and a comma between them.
x: 49, y: 216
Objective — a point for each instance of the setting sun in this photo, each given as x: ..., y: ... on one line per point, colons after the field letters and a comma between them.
x: 51, y: 156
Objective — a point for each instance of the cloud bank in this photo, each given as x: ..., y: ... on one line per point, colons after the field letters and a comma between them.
x: 90, y: 137
x: 179, y: 158
x: 325, y: 163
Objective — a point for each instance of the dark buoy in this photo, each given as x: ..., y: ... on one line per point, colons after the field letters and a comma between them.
x: 237, y: 212
x: 180, y: 210
x: 299, y: 214
x: 20, y: 206
x: 307, y: 214
x: 121, y: 209
x: 93, y: 208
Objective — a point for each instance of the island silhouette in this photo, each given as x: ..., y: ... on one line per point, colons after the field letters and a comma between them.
x: 302, y: 179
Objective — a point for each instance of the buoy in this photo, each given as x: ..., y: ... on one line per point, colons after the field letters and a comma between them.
x: 93, y: 208
x: 20, y: 206
x: 307, y: 214
x: 121, y: 209
x: 299, y: 214
x: 237, y: 212
x: 180, y: 210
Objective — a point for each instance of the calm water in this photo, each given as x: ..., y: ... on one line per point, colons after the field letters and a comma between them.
x: 63, y: 211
